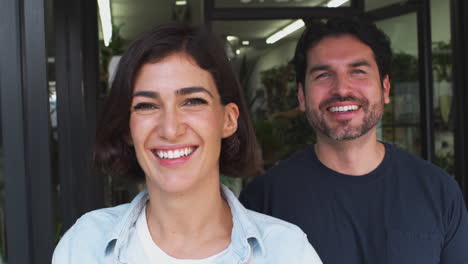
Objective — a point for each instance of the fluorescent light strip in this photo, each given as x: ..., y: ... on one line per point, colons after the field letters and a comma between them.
x: 231, y: 38
x: 336, y: 3
x: 106, y: 20
x: 180, y: 2
x: 285, y: 31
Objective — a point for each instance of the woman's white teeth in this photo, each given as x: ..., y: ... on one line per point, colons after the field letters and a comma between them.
x: 174, y: 154
x: 343, y: 108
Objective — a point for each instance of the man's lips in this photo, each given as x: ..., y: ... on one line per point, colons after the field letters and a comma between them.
x: 343, y: 108
x: 344, y: 104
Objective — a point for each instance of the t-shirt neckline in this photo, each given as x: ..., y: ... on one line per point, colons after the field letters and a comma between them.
x: 374, y: 174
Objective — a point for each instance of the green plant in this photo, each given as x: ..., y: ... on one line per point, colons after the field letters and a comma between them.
x: 280, y: 127
x: 441, y: 61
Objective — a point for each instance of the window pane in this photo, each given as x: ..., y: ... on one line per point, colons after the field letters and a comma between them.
x: 442, y: 74
x: 280, y: 3
x: 401, y: 120
x: 2, y: 204
x: 375, y: 4
x: 268, y: 79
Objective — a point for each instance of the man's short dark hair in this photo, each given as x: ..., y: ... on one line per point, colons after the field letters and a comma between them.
x: 113, y: 152
x: 360, y: 28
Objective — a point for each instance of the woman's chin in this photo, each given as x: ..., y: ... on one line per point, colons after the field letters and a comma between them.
x: 174, y: 186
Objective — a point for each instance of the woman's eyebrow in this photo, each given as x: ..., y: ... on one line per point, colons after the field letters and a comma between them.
x: 149, y: 94
x: 194, y: 89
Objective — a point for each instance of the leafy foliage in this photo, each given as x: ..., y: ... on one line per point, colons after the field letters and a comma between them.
x: 280, y: 126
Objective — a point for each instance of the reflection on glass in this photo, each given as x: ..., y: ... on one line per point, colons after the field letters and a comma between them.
x: 268, y: 80
x: 280, y: 3
x: 401, y: 120
x: 442, y: 74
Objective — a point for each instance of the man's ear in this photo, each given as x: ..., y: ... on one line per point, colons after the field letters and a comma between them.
x: 231, y: 114
x: 386, y: 89
x: 301, y: 97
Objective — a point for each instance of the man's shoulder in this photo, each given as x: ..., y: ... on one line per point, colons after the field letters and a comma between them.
x: 411, y: 167
x: 293, y: 165
x: 406, y: 160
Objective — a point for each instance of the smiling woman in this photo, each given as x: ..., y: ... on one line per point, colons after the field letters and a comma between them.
x: 176, y: 117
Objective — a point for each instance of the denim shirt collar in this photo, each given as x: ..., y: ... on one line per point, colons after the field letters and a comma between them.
x: 245, y: 237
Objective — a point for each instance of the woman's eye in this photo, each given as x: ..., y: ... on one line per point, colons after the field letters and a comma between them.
x: 195, y: 101
x: 144, y: 107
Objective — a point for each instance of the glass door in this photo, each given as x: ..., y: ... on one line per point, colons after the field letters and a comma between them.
x: 400, y: 124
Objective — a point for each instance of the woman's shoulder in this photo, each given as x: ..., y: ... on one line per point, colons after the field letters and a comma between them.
x: 270, y: 226
x: 90, y: 234
x: 100, y: 220
x: 277, y: 233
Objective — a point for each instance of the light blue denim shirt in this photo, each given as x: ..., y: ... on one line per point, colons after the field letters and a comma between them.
x: 106, y: 236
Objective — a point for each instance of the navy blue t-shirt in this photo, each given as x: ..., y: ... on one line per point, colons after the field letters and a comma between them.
x: 406, y: 211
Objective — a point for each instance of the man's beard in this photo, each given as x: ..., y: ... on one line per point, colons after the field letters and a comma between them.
x: 344, y: 131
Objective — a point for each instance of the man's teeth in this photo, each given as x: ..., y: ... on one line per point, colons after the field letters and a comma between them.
x: 343, y: 108
x: 174, y: 154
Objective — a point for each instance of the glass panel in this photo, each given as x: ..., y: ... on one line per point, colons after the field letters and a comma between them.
x: 375, y: 4
x: 50, y: 50
x: 442, y: 74
x: 280, y: 3
x: 401, y: 120
x: 268, y: 80
x: 3, y: 247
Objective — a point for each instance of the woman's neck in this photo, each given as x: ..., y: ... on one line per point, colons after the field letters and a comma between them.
x: 195, y: 224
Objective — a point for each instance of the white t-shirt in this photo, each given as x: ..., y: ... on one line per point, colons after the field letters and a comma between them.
x: 157, y: 255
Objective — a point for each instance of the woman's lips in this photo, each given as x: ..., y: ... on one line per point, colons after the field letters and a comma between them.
x: 174, y: 157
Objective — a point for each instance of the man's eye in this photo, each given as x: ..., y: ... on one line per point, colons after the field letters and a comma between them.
x: 359, y: 71
x: 322, y: 75
x: 144, y: 107
x: 195, y: 101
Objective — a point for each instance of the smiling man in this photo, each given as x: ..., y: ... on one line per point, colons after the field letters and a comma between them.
x: 359, y: 200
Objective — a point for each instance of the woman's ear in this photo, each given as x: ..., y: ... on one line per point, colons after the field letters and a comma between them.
x: 231, y: 114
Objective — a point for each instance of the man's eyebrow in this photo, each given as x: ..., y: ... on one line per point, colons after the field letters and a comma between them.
x: 194, y: 89
x: 149, y: 94
x: 360, y: 63
x: 319, y: 67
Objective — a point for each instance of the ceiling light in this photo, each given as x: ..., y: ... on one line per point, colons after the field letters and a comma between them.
x: 180, y: 2
x: 336, y: 3
x: 106, y: 20
x: 285, y: 31
x: 245, y: 42
x: 238, y: 51
x: 231, y: 38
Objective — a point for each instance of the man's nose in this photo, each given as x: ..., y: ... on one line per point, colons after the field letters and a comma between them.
x: 341, y: 84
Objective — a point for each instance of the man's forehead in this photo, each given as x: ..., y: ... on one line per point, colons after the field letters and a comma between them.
x: 342, y: 49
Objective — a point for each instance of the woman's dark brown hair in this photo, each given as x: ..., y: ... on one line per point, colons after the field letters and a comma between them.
x: 115, y: 156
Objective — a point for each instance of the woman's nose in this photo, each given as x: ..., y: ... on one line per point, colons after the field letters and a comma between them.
x: 171, y: 125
